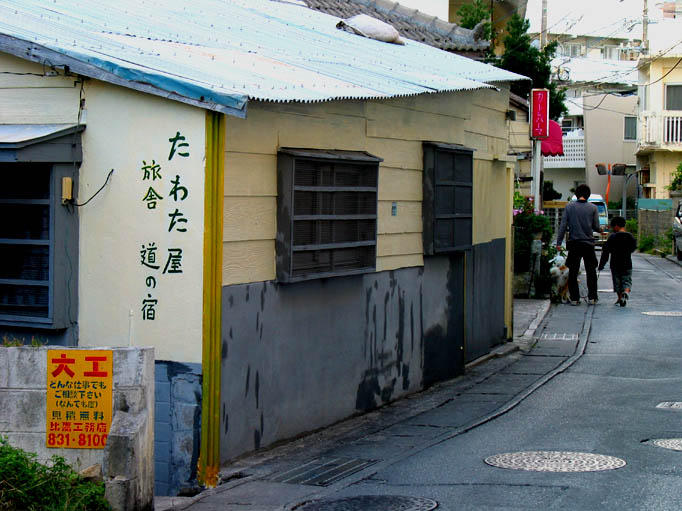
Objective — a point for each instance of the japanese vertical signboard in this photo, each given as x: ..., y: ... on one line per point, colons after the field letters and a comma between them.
x: 79, y: 398
x: 539, y: 108
x: 152, y: 255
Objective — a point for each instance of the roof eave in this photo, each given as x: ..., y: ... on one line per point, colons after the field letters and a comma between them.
x: 37, y: 53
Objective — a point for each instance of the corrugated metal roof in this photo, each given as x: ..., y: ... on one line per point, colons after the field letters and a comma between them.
x: 411, y: 23
x: 219, y: 53
x: 21, y: 135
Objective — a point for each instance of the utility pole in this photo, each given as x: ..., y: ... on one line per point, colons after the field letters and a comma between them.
x: 645, y: 29
x: 543, y: 26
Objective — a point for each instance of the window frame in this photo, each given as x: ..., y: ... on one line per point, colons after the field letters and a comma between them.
x: 430, y: 215
x: 287, y: 159
x: 625, y: 118
x: 59, y: 152
x: 665, y: 99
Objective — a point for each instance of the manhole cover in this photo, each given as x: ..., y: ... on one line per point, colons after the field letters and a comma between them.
x: 674, y: 444
x: 674, y: 405
x: 373, y: 502
x: 663, y: 313
x: 555, y: 461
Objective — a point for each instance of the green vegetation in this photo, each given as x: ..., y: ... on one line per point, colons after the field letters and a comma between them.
x: 661, y: 245
x: 521, y: 57
x: 26, y: 485
x: 548, y: 191
x: 13, y: 342
x: 632, y: 227
x: 676, y: 179
x: 631, y: 203
x: 472, y: 14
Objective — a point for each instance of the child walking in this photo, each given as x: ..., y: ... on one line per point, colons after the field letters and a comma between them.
x: 619, y: 246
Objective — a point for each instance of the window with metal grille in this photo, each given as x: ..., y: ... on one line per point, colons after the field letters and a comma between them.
x: 630, y: 128
x: 25, y: 240
x: 447, y: 208
x: 38, y: 235
x: 326, y: 213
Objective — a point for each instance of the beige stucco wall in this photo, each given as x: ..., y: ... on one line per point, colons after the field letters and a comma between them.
x: 661, y: 163
x: 123, y: 129
x: 604, y: 127
x: 391, y: 129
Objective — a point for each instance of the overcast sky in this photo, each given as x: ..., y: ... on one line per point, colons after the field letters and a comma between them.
x: 434, y: 7
x: 588, y: 17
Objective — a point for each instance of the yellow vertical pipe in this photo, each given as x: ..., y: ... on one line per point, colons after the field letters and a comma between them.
x: 209, y: 456
x: 509, y: 254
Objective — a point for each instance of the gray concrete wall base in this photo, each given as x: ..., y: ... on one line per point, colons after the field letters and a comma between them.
x: 127, y: 461
x: 297, y: 357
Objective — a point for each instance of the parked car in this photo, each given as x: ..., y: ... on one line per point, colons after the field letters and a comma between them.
x: 599, y: 201
x: 677, y: 230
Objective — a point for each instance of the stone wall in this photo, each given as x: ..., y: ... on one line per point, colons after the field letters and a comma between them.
x: 126, y: 463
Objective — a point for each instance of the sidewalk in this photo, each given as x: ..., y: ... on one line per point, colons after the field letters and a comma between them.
x: 321, y: 464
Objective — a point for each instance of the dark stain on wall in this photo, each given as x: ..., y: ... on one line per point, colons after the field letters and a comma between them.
x: 248, y: 380
x: 337, y: 346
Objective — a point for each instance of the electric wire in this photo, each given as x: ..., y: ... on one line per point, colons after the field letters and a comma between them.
x: 97, y: 192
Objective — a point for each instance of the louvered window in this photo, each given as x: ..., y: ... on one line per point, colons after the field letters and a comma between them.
x: 327, y: 213
x: 447, y: 207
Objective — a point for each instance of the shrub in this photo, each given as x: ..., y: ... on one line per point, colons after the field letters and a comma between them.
x: 676, y: 179
x: 528, y: 226
x: 632, y: 226
x: 647, y: 243
x: 26, y: 485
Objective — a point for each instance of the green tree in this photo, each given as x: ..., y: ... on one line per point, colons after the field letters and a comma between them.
x: 548, y: 191
x: 472, y: 14
x: 521, y: 57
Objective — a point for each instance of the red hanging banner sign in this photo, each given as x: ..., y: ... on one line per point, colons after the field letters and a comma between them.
x: 539, y: 109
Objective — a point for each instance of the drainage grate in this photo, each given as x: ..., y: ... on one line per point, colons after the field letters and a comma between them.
x: 373, y: 503
x: 663, y: 313
x: 670, y: 405
x: 555, y: 461
x: 322, y: 471
x: 674, y: 444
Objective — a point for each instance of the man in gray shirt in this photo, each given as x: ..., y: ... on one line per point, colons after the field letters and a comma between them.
x: 581, y: 219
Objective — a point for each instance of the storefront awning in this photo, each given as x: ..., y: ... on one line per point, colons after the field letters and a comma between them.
x: 553, y: 146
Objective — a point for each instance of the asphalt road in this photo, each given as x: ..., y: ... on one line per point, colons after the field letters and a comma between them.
x: 604, y: 404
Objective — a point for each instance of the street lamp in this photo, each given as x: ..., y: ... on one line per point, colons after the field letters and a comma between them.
x: 617, y: 169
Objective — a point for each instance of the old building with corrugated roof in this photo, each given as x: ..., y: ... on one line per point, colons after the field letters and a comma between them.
x: 303, y: 222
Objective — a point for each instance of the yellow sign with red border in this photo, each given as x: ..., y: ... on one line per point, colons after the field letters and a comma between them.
x: 79, y: 398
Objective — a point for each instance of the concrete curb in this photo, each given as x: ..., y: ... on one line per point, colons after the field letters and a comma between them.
x: 527, y: 340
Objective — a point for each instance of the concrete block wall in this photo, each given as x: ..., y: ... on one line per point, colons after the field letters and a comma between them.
x: 655, y: 222
x: 126, y: 462
x: 177, y: 427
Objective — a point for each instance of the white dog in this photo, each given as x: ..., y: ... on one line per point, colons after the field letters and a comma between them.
x: 559, y: 272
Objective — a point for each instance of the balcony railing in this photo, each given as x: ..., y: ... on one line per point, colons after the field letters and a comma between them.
x: 574, y: 152
x: 660, y: 130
